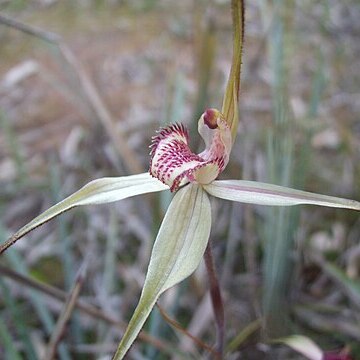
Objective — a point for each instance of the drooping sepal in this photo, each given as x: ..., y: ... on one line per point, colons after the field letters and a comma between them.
x: 174, y: 164
x: 178, y: 249
x: 100, y: 191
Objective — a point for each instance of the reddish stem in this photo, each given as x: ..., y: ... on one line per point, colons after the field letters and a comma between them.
x: 216, y: 300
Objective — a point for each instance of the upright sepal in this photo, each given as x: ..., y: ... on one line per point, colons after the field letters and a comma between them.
x: 178, y: 250
x: 230, y: 102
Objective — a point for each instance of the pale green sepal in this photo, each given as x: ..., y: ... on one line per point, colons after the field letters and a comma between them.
x: 177, y: 251
x: 229, y: 106
x: 304, y: 346
x: 267, y: 194
x: 98, y: 191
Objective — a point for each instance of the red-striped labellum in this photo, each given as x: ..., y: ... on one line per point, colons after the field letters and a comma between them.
x: 174, y: 164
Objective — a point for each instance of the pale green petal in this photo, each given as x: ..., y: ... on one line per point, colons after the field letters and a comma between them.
x: 267, y: 194
x: 99, y: 191
x: 178, y: 250
x: 304, y: 346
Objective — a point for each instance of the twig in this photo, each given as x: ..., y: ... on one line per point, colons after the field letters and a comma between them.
x: 177, y: 326
x: 216, y: 300
x: 65, y: 314
x: 30, y: 30
x: 80, y: 304
x: 92, y: 96
x: 96, y: 313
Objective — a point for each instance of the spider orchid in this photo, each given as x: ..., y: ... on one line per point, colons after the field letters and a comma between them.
x: 184, y: 233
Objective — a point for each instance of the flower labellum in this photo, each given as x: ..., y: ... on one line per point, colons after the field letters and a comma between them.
x: 174, y: 164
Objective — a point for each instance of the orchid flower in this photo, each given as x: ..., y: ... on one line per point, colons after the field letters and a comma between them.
x: 184, y: 233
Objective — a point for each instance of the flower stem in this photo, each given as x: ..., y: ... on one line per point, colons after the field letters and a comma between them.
x: 216, y: 300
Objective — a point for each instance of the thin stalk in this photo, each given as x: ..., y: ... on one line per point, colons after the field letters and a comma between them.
x: 65, y: 315
x: 86, y: 308
x: 178, y: 327
x: 216, y: 300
